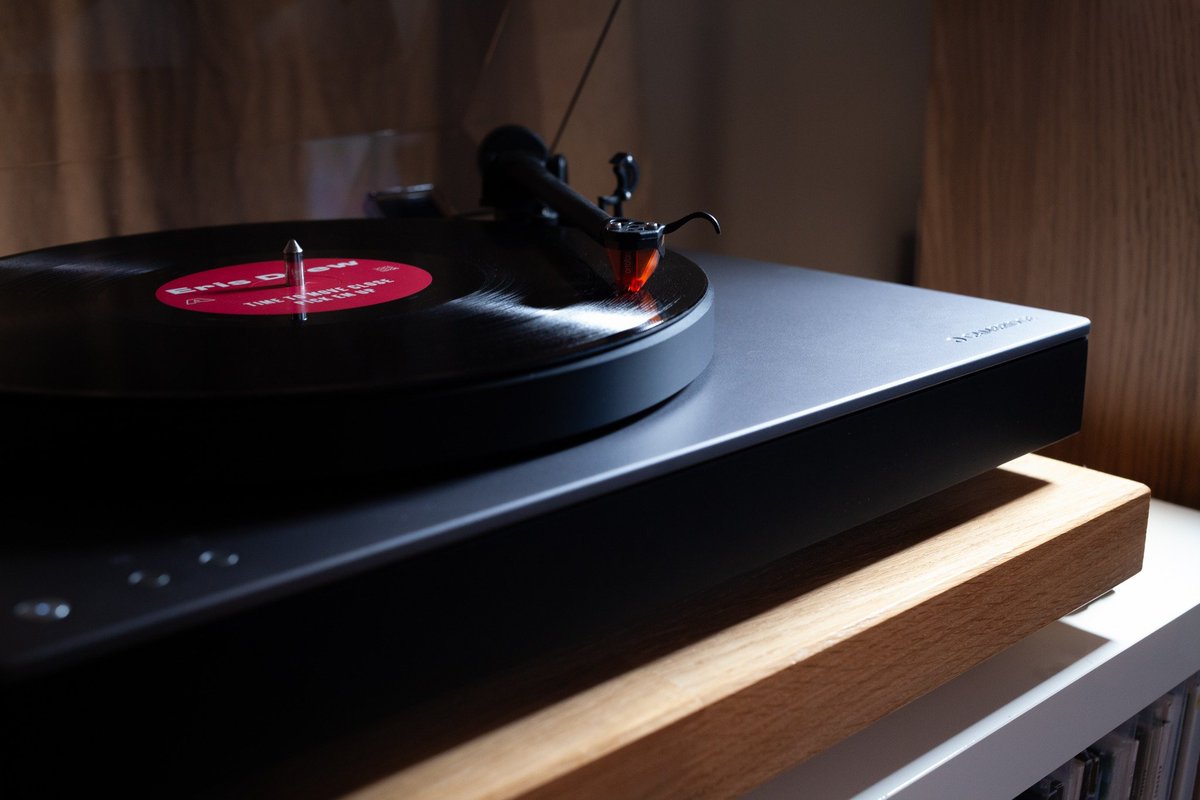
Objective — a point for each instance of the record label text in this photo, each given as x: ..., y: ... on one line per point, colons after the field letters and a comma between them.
x: 261, y: 287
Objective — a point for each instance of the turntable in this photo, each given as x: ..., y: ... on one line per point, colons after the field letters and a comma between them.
x: 364, y: 461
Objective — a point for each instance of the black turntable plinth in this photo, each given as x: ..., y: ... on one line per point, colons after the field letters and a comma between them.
x: 828, y: 400
x: 239, y: 524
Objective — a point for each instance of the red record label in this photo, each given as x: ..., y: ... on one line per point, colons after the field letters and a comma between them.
x: 330, y: 284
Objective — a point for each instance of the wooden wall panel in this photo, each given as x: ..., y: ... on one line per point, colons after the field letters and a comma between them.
x: 123, y: 116
x: 798, y: 124
x: 1062, y: 169
x: 133, y: 116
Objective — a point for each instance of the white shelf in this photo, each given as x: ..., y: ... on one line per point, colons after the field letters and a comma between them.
x: 1006, y: 723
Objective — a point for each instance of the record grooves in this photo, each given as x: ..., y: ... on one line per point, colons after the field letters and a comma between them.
x: 508, y: 336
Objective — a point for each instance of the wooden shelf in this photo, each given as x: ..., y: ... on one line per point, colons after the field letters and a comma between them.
x: 771, y: 670
x: 1004, y: 724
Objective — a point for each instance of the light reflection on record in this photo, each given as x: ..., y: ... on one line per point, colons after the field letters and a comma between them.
x: 138, y: 316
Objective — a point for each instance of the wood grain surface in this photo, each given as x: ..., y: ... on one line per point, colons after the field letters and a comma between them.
x: 767, y: 671
x: 797, y: 124
x: 143, y: 115
x: 1062, y: 170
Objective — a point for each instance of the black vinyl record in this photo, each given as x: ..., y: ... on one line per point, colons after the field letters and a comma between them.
x: 411, y: 343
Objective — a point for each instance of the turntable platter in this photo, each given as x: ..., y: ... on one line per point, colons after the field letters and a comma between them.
x: 421, y: 341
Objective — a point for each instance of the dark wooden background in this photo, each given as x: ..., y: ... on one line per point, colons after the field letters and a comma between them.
x: 1060, y: 165
x: 1062, y: 169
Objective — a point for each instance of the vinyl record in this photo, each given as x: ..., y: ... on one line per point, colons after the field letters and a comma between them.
x: 421, y: 342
